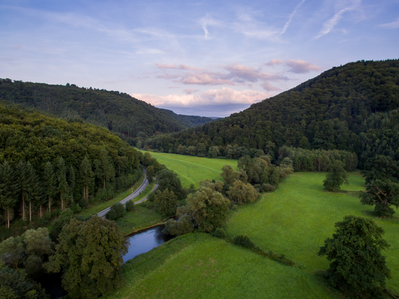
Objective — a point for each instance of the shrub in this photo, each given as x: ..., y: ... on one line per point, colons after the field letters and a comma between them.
x: 268, y: 188
x: 83, y: 203
x: 243, y: 241
x: 130, y: 206
x: 220, y: 233
x: 117, y: 211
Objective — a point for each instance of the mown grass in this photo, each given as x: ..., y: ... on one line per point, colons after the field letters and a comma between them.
x: 297, y: 218
x: 200, y: 266
x: 192, y: 170
x: 96, y: 207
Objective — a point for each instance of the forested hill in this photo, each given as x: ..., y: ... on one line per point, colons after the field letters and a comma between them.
x: 119, y: 112
x: 51, y: 162
x: 188, y: 120
x: 352, y: 107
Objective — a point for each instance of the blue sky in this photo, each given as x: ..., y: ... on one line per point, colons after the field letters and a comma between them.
x: 209, y: 58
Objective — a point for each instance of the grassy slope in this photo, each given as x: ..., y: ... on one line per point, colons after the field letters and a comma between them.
x: 201, y: 266
x: 192, y: 170
x: 299, y: 216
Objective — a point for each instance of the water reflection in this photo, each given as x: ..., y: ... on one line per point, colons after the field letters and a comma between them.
x: 145, y: 241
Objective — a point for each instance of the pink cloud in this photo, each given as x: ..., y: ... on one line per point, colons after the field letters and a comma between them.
x: 268, y: 87
x: 301, y: 66
x: 204, y: 79
x: 274, y: 62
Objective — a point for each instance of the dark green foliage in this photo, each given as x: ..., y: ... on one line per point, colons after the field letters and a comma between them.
x: 15, y: 284
x: 116, y: 211
x: 220, y: 233
x: 381, y: 167
x: 168, y: 179
x: 116, y: 111
x: 355, y: 251
x: 335, y: 177
x: 179, y: 227
x: 353, y: 107
x: 11, y: 251
x: 207, y: 208
x: 165, y: 202
x: 383, y: 194
x: 8, y: 186
x: 53, y: 150
x: 130, y: 206
x: 243, y: 241
x: 242, y: 193
x: 59, y: 223
x: 89, y: 254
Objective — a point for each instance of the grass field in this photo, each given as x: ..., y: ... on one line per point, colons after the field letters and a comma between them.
x: 297, y: 218
x: 294, y: 220
x: 200, y: 266
x: 192, y: 170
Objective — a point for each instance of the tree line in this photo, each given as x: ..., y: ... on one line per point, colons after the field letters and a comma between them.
x: 353, y: 107
x: 47, y: 162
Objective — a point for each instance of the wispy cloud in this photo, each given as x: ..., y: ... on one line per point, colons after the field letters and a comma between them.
x: 177, y: 67
x: 291, y: 17
x: 208, y: 21
x: 392, y: 25
x: 332, y: 22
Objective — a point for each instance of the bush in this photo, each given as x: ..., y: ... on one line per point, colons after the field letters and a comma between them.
x: 244, y: 241
x: 130, y: 206
x: 117, y: 211
x: 268, y: 188
x: 220, y: 233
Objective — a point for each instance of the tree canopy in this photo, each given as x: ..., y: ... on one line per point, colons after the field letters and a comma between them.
x: 89, y: 254
x: 355, y: 251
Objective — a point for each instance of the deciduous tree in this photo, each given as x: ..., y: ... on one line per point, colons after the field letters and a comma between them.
x: 335, y: 177
x: 355, y: 251
x: 89, y: 254
x: 383, y: 194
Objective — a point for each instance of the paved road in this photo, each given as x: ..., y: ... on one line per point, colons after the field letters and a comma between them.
x: 131, y: 196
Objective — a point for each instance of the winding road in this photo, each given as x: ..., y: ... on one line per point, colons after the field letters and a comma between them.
x: 132, y: 196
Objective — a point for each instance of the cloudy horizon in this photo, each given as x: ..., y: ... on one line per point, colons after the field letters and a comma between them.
x: 194, y: 58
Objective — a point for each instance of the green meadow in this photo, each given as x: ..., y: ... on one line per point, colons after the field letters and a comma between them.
x: 297, y: 218
x: 192, y: 170
x: 294, y: 221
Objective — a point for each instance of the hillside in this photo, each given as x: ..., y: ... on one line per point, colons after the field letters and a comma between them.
x: 119, y: 112
x: 52, y: 163
x: 353, y: 107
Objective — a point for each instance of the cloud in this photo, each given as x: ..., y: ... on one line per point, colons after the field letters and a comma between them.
x: 242, y: 73
x: 177, y: 67
x: 301, y: 66
x: 268, y: 87
x: 224, y: 95
x: 291, y: 17
x: 274, y: 62
x: 190, y: 90
x: 331, y: 23
x: 208, y: 21
x: 204, y: 79
x: 392, y: 25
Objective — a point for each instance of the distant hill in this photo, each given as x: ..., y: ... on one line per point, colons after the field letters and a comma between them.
x: 353, y: 107
x: 119, y: 112
x: 189, y: 120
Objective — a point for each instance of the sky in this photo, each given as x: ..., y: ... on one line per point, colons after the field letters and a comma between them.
x: 207, y: 58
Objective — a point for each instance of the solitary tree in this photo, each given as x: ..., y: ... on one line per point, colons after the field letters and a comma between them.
x: 207, y: 208
x: 89, y: 254
x: 335, y: 177
x: 383, y: 194
x: 357, y: 264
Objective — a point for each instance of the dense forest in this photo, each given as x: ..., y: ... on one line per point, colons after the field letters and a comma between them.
x: 119, y: 112
x: 48, y: 163
x: 353, y: 107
